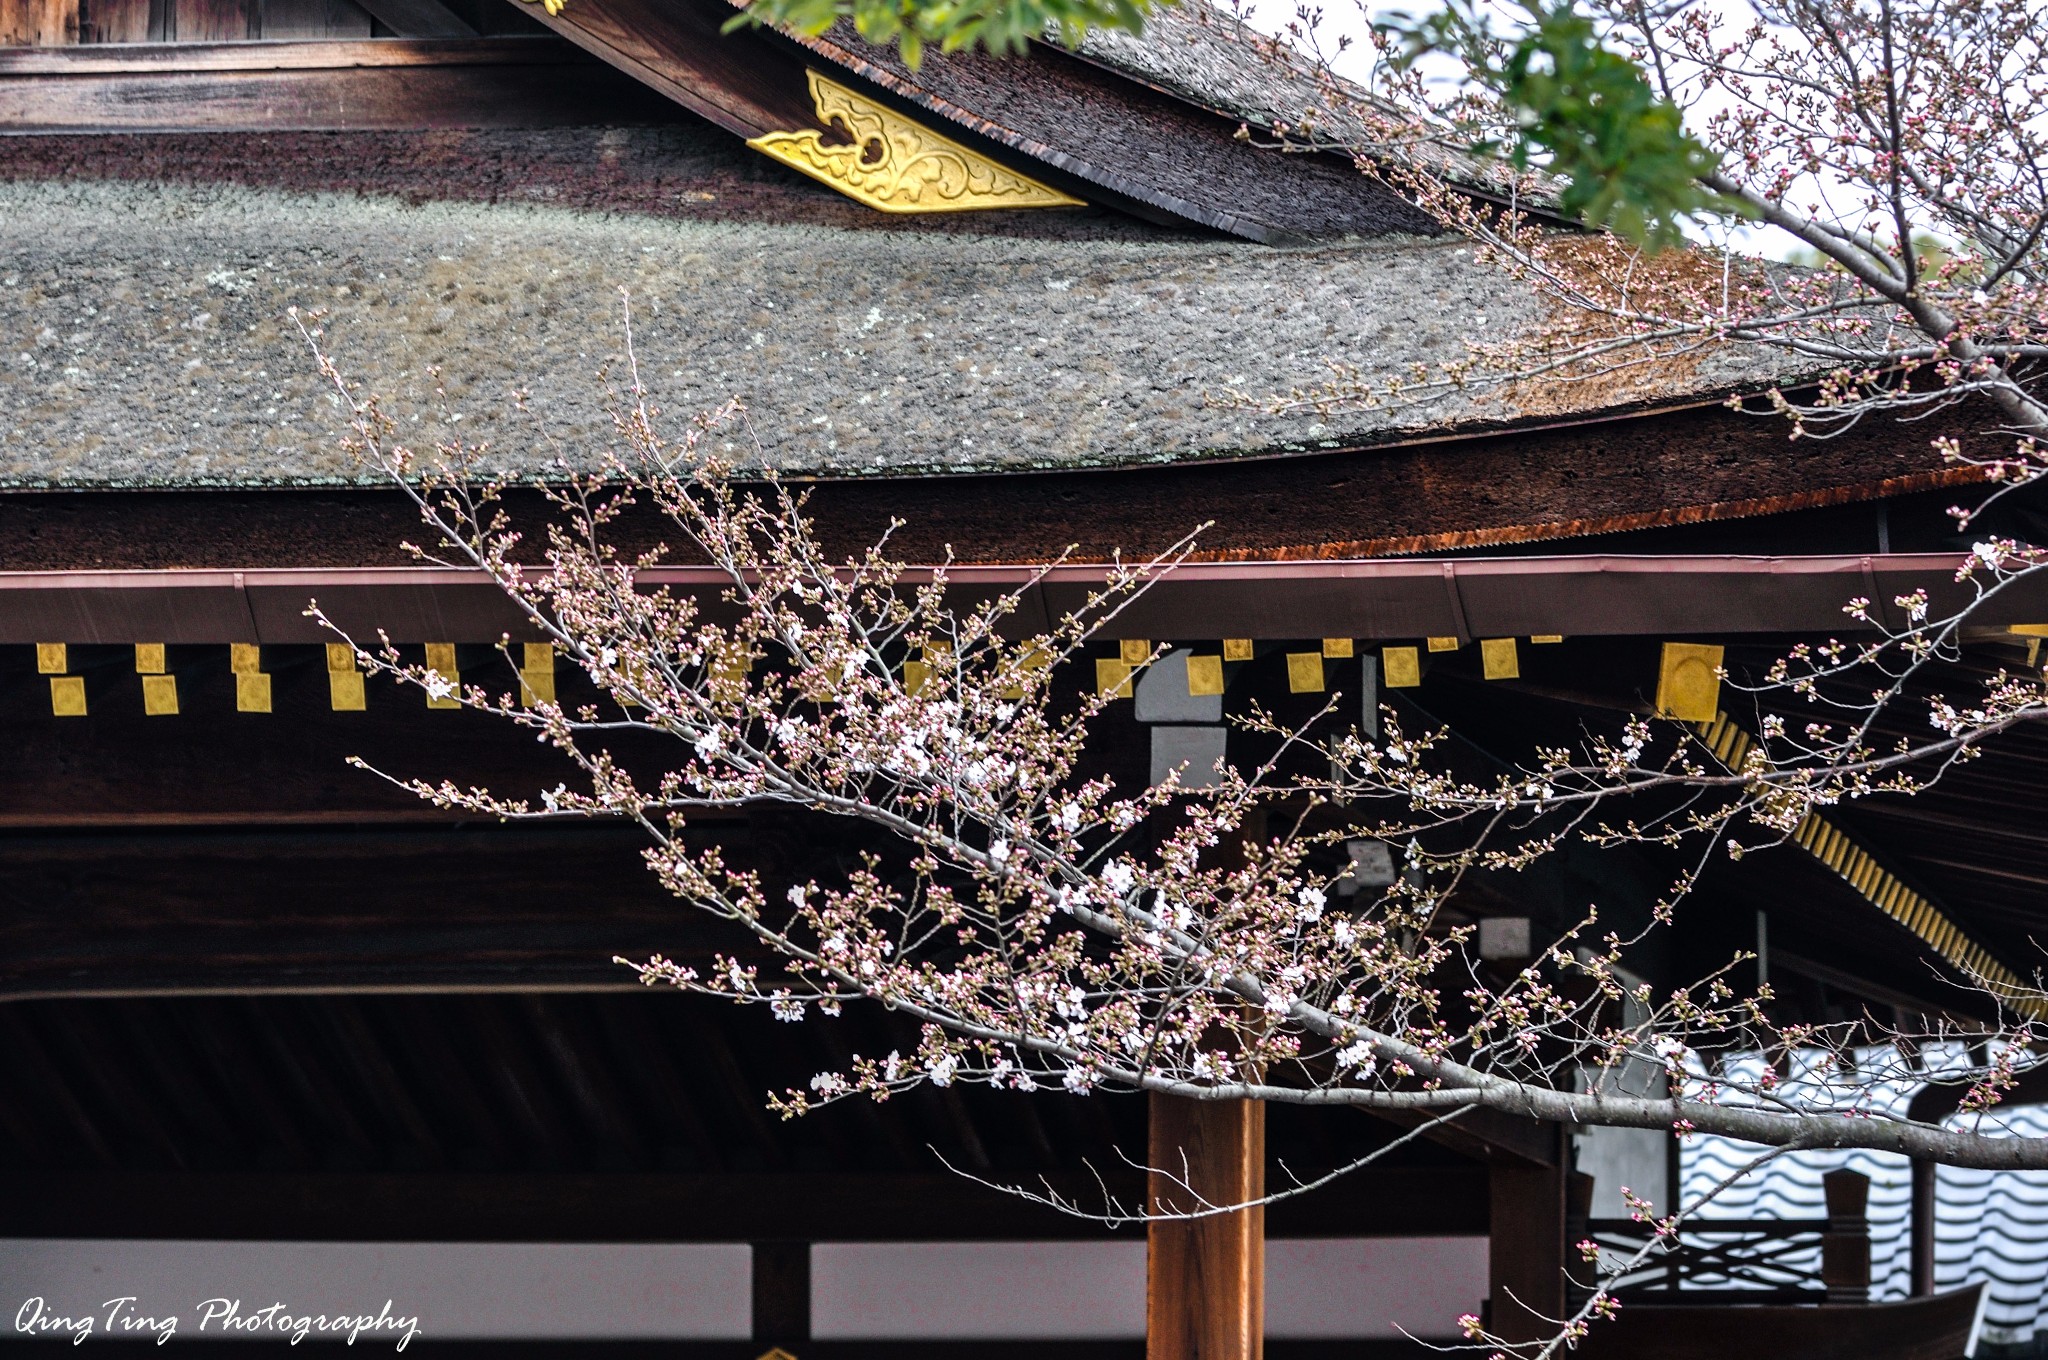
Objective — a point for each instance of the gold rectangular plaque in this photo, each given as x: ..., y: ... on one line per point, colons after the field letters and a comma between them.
x: 50, y: 658
x: 340, y: 657
x: 1112, y: 677
x: 1402, y: 667
x: 245, y: 658
x: 345, y: 691
x: 1134, y: 651
x: 1689, y: 682
x: 1237, y: 649
x: 1337, y: 648
x: 1305, y: 672
x: 1205, y: 675
x: 1546, y: 637
x: 1444, y: 644
x: 1498, y: 657
x: 149, y: 659
x: 252, y: 692
x: 159, y: 695
x: 67, y: 696
x: 441, y: 661
x: 537, y: 675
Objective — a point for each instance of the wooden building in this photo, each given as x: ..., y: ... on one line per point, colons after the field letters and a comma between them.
x: 248, y: 993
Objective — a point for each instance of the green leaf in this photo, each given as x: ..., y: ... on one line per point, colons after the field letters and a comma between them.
x: 999, y: 26
x: 1586, y: 115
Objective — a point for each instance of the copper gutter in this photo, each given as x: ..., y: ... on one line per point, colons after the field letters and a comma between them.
x: 1379, y: 598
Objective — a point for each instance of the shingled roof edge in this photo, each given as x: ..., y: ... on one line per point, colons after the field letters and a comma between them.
x: 1081, y: 170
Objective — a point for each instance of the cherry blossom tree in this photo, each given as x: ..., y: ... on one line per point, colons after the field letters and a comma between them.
x: 1048, y: 927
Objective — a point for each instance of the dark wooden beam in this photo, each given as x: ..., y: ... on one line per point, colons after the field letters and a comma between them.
x: 1526, y: 1256
x: 782, y: 1293
x: 1205, y: 1278
x: 739, y: 81
x: 1920, y: 1232
x: 1488, y: 1136
x: 716, y: 1207
x: 376, y: 909
x: 419, y: 18
x: 21, y: 1045
x: 315, y: 86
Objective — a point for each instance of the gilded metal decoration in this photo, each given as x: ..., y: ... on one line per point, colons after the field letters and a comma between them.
x: 892, y: 164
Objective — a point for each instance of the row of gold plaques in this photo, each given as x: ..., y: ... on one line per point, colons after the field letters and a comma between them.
x: 1401, y: 666
x: 252, y: 683
x: 1688, y: 680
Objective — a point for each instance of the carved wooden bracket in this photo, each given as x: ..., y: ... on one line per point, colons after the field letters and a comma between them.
x: 894, y: 165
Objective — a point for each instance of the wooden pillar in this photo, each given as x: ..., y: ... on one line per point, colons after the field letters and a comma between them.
x: 782, y: 1293
x: 38, y: 23
x: 1205, y: 1278
x: 1526, y: 1250
x: 1845, y: 1246
x: 1922, y: 1228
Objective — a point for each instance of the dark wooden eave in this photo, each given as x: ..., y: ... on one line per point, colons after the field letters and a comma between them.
x: 520, y: 82
x: 634, y: 1117
x: 1384, y: 599
x: 1076, y: 125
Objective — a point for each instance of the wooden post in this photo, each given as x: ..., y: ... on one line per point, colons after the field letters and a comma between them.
x: 1526, y: 1250
x: 1205, y: 1278
x: 1845, y: 1246
x: 38, y: 23
x: 782, y: 1293
x: 1923, y: 1228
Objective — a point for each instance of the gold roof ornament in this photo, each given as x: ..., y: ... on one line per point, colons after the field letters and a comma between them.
x: 894, y: 165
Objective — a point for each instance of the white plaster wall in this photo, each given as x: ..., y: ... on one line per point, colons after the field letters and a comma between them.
x: 1352, y: 1287
x: 1373, y: 1286
x: 1360, y: 1287
x: 864, y: 1291
x: 457, y: 1290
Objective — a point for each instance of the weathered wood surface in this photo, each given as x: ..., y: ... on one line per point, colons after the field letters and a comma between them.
x: 740, y: 81
x: 315, y: 86
x: 377, y: 908
x: 122, y: 21
x: 32, y: 23
x: 420, y: 18
x: 197, y: 57
x: 1205, y: 1279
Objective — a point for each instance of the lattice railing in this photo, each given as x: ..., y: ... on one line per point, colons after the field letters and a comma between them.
x: 1732, y: 1260
x: 1729, y: 1260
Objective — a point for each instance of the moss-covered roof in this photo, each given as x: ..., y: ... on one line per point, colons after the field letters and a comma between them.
x: 144, y: 336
